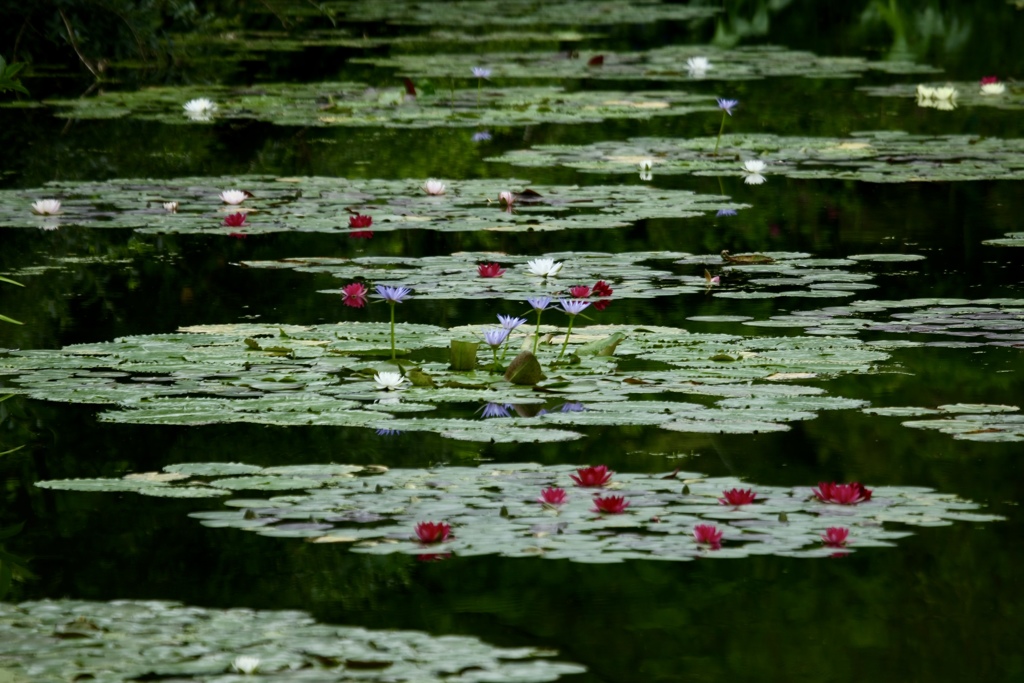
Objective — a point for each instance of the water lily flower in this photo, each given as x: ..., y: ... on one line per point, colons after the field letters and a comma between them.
x: 697, y: 66
x: 552, y: 496
x: 481, y: 72
x: 495, y: 337
x: 544, y: 267
x: 171, y: 207
x: 614, y: 505
x: 360, y: 221
x: 835, y: 536
x: 496, y: 410
x: 711, y: 281
x: 354, y: 295
x: 990, y: 85
x: 392, y: 295
x: 573, y: 307
x: 925, y: 92
x: 592, y: 477
x: 234, y: 196
x: 579, y: 291
x: 433, y: 532
x: 510, y: 322
x: 602, y: 289
x: 708, y: 534
x: 737, y: 497
x: 200, y: 106
x: 434, y: 187
x: 573, y: 407
x: 947, y: 92
x: 645, y: 170
x: 842, y: 494
x: 490, y: 270
x: 481, y: 136
x: 389, y: 381
x: 727, y: 105
x: 753, y: 168
x: 235, y: 220
x: 539, y: 303
x: 725, y: 212
x: 46, y: 207
x: 507, y: 198
x: 245, y: 664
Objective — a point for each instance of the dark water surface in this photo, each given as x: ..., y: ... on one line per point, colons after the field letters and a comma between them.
x: 945, y: 604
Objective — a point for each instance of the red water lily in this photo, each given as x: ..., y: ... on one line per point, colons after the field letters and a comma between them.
x: 361, y: 234
x: 835, y: 536
x: 708, y: 534
x: 360, y: 221
x: 552, y: 496
x: 737, y: 497
x: 842, y: 494
x: 611, y: 504
x: 592, y: 477
x: 354, y: 295
x: 989, y: 80
x: 490, y: 270
x: 579, y: 292
x: 602, y: 289
x: 235, y: 220
x: 433, y: 532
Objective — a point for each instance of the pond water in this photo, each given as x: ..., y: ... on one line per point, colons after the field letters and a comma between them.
x: 881, y: 344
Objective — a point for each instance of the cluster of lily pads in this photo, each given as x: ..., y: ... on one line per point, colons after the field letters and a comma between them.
x: 132, y: 640
x: 587, y: 514
x: 344, y: 206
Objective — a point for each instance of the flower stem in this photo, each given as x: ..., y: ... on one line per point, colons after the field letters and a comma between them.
x: 720, y: 129
x: 494, y: 352
x: 479, y: 81
x: 536, y: 334
x: 392, y: 303
x: 572, y: 319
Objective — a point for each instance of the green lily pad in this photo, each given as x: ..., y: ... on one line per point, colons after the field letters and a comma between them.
x: 875, y: 156
x: 495, y: 510
x: 128, y: 640
x: 967, y: 95
x: 316, y: 204
x: 209, y: 374
x: 347, y: 104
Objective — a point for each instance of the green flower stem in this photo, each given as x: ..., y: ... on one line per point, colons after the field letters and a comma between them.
x: 568, y: 334
x: 536, y: 334
x: 720, y: 129
x: 479, y: 81
x: 494, y: 352
x: 392, y: 304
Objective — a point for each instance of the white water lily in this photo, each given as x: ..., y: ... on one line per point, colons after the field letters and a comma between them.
x: 507, y: 198
x: 172, y: 207
x: 389, y: 381
x: 645, y: 169
x: 246, y: 664
x: 697, y: 66
x: 947, y: 92
x: 200, y: 106
x: 233, y: 196
x: 46, y: 207
x: 545, y: 267
x: 925, y: 92
x: 753, y: 166
x: 434, y: 187
x: 993, y: 89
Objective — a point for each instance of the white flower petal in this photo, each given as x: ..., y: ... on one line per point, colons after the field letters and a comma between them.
x: 232, y: 196
x: 389, y: 381
x: 46, y: 207
x: 993, y: 89
x: 754, y: 179
x: 753, y: 166
x: 434, y: 187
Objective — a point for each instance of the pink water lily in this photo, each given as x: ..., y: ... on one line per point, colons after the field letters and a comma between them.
x: 708, y: 534
x: 614, y: 505
x: 552, y: 496
x: 842, y: 494
x: 835, y: 536
x: 490, y: 270
x: 433, y: 532
x: 592, y: 477
x: 737, y: 497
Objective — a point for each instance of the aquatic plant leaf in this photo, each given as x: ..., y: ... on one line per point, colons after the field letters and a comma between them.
x: 968, y: 94
x: 871, y: 156
x: 493, y: 511
x: 127, y: 640
x: 980, y: 322
x: 334, y: 104
x: 208, y: 374
x: 964, y: 421
x: 318, y: 204
x: 666, y: 63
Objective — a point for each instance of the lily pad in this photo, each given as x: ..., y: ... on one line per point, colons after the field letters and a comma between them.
x: 222, y: 373
x: 127, y: 640
x: 317, y: 204
x: 875, y: 156
x: 493, y: 510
